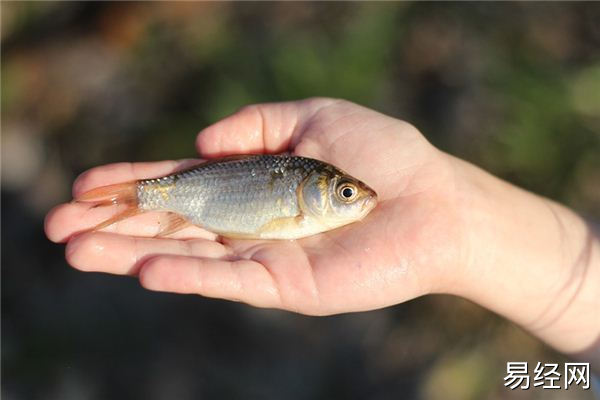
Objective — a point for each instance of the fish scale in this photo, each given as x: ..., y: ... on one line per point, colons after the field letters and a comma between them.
x: 225, y: 196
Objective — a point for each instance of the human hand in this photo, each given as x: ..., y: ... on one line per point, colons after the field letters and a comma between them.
x: 406, y: 247
x: 441, y: 226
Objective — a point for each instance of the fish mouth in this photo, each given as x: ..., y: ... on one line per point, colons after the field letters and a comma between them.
x: 369, y: 204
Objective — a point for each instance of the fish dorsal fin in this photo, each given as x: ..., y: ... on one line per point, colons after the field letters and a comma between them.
x: 226, y: 159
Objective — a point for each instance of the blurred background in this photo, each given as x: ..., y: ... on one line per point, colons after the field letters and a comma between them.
x: 512, y: 87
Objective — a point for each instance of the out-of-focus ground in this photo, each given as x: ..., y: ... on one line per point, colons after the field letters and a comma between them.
x: 512, y: 87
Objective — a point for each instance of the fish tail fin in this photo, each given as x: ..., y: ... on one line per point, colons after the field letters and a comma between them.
x: 118, y: 194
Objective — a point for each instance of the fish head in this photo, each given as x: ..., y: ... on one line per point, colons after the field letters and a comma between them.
x: 336, y: 198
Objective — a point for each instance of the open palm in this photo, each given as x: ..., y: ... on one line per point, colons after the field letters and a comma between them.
x: 409, y: 245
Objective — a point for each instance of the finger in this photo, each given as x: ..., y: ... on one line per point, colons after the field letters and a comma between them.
x: 241, y: 280
x: 118, y: 254
x: 260, y: 128
x: 125, y: 172
x: 70, y: 219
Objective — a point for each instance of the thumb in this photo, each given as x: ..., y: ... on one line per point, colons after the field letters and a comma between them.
x: 259, y: 128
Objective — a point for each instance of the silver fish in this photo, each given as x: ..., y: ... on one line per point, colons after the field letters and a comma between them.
x: 252, y: 196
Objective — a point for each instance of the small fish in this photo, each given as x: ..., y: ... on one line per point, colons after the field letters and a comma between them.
x: 251, y: 196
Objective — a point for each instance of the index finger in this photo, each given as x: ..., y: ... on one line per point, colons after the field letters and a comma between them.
x: 259, y: 128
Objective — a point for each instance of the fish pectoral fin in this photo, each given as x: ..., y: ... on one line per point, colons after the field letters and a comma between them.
x: 281, y: 225
x: 174, y: 223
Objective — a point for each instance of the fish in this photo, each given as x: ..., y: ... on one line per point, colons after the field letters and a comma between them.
x: 245, y: 197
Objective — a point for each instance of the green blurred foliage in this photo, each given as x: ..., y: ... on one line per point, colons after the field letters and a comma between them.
x: 512, y: 87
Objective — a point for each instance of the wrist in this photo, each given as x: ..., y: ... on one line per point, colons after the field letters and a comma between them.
x: 529, y: 259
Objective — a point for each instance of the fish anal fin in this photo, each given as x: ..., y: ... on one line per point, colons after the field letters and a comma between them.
x: 174, y: 223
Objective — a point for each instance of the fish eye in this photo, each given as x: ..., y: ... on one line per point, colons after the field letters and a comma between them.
x: 347, y: 192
